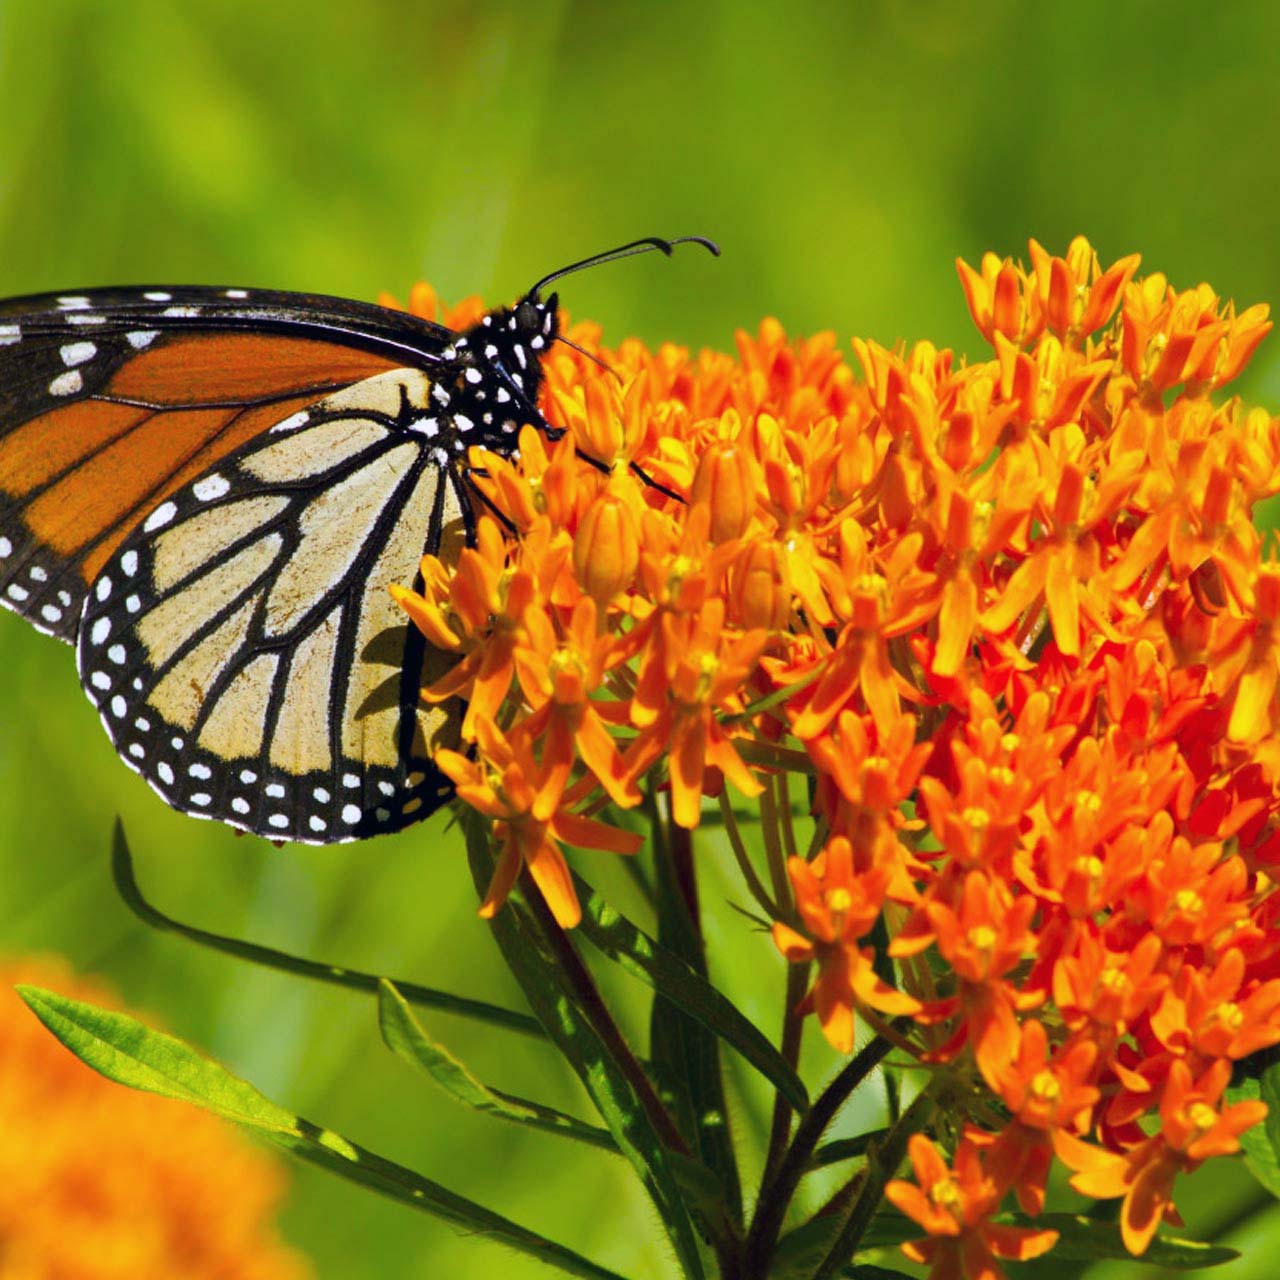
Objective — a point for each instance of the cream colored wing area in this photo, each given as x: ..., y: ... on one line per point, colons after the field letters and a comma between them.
x: 179, y: 696
x: 333, y: 530
x: 307, y: 454
x: 182, y: 550
x: 164, y: 628
x: 371, y: 723
x: 386, y: 393
x: 237, y: 722
x: 301, y: 742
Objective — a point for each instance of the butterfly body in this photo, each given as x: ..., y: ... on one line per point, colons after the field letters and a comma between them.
x: 209, y: 492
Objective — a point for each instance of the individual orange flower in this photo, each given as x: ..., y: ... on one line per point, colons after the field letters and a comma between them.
x: 983, y: 937
x: 477, y: 612
x: 1194, y: 1126
x: 1216, y: 1013
x: 838, y: 907
x: 558, y: 677
x: 504, y: 785
x: 955, y: 1208
x: 693, y: 670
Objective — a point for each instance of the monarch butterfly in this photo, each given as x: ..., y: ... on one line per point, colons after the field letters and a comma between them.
x: 207, y: 491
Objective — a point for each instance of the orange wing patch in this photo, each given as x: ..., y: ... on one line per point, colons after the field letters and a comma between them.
x: 112, y: 489
x: 92, y: 469
x: 44, y: 448
x: 241, y: 367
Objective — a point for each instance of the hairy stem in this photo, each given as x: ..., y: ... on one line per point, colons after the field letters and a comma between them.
x: 776, y: 1194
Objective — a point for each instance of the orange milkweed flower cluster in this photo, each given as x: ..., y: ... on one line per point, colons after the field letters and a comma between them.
x: 100, y: 1183
x: 1011, y: 621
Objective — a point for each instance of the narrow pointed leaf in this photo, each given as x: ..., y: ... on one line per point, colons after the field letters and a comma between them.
x: 409, y: 1039
x: 268, y: 957
x: 531, y: 957
x: 644, y: 958
x: 1261, y: 1157
x: 124, y: 1050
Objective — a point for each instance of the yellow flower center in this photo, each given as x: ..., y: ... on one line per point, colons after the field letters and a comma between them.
x: 1090, y: 868
x: 566, y: 661
x: 1229, y: 1014
x: 1114, y: 981
x: 839, y: 900
x: 976, y: 819
x: 946, y: 1195
x: 677, y: 571
x: 1045, y: 1087
x: 1202, y: 1116
x: 1089, y: 802
x: 1188, y: 901
x: 708, y: 666
x: 982, y: 937
x: 1010, y: 742
x: 1002, y: 775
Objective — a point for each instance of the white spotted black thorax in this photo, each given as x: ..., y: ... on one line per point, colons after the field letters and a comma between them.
x: 486, y: 385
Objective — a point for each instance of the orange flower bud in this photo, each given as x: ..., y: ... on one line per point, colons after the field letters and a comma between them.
x: 606, y: 550
x: 725, y: 482
x: 760, y: 587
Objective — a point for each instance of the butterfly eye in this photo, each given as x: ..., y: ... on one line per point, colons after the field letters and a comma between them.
x: 527, y: 317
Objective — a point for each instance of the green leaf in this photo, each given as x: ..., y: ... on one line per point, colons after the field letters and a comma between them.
x: 408, y: 1038
x: 1261, y: 1157
x: 1082, y: 1239
x: 124, y: 1050
x: 528, y: 941
x: 646, y: 959
x: 268, y: 957
x: 684, y: 1054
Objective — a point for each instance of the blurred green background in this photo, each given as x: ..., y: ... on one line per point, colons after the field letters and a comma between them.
x: 843, y: 154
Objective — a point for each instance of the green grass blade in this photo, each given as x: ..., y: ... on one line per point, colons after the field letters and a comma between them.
x: 126, y: 1051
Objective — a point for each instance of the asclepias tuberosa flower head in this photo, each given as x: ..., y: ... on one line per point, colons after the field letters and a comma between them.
x: 990, y: 646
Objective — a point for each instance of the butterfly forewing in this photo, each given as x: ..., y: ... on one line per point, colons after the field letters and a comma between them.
x: 111, y: 400
x: 242, y: 646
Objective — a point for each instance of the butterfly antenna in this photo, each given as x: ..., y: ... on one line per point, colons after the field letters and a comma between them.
x: 582, y: 351
x: 647, y: 245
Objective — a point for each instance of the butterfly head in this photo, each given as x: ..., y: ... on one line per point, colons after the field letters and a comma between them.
x: 507, y: 346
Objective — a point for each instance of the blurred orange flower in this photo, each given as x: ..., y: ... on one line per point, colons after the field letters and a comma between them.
x: 100, y: 1183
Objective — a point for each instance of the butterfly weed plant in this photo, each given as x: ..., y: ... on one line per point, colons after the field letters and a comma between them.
x: 990, y: 650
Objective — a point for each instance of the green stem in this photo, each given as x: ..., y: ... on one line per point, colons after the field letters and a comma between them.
x: 596, y: 1012
x: 882, y: 1164
x: 776, y: 1194
x: 792, y: 1033
x: 754, y: 884
x: 771, y: 832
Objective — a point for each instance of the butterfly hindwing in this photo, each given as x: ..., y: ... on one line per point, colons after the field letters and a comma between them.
x: 241, y: 644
